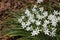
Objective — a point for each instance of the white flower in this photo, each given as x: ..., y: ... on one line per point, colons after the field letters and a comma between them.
x: 19, y: 20
x: 53, y: 32
x: 27, y: 12
x: 29, y: 28
x: 23, y: 24
x: 45, y: 13
x: 34, y: 8
x: 28, y: 23
x: 38, y: 23
x: 55, y: 12
x: 41, y: 9
x: 31, y: 16
x: 58, y: 18
x: 22, y: 17
x: 44, y: 25
x: 39, y: 1
x: 46, y: 31
x: 39, y: 16
x: 54, y: 21
x: 35, y: 32
x: 32, y: 20
x: 50, y: 17
x: 46, y: 22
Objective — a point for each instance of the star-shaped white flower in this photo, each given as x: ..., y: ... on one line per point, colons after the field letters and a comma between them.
x: 35, y: 32
x: 55, y: 12
x: 41, y: 9
x: 50, y: 17
x: 22, y: 17
x: 19, y: 20
x: 46, y: 21
x: 39, y: 16
x: 28, y: 23
x: 54, y: 21
x: 38, y: 22
x: 27, y: 12
x: 45, y: 13
x: 23, y: 24
x: 29, y: 28
x: 46, y: 31
x: 53, y: 32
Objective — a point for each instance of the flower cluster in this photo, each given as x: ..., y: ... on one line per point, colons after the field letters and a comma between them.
x: 37, y: 20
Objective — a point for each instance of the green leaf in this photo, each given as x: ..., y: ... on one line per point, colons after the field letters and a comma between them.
x: 17, y: 32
